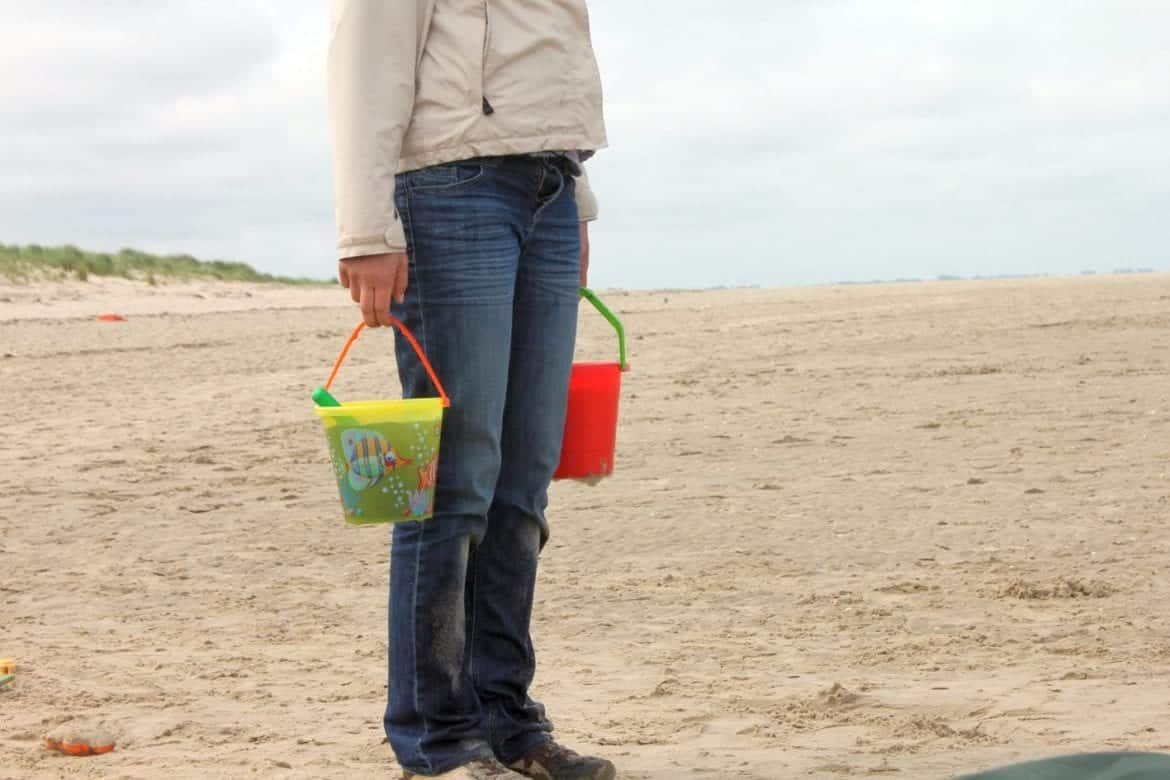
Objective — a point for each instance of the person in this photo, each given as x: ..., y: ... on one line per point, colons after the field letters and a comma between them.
x: 459, y: 129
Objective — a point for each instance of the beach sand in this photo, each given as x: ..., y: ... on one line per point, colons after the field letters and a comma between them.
x: 894, y: 530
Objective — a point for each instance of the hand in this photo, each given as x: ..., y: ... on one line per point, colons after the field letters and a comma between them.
x: 373, y: 282
x: 584, y: 254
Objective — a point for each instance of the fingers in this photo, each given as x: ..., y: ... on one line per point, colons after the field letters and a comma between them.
x: 584, y: 254
x: 366, y: 301
x: 350, y: 282
x: 401, y: 280
x: 584, y: 227
x: 382, y: 305
x: 374, y: 283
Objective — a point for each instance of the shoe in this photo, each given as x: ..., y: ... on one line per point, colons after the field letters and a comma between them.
x: 551, y: 761
x: 480, y: 769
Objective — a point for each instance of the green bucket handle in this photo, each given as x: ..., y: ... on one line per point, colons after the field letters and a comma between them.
x: 612, y: 319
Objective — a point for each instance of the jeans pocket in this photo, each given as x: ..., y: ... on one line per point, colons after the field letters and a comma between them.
x: 443, y: 178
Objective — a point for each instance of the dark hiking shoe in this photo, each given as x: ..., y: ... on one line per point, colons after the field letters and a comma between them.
x: 551, y: 761
x: 480, y: 769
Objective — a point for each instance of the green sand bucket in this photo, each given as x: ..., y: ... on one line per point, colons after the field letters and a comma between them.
x: 385, y: 454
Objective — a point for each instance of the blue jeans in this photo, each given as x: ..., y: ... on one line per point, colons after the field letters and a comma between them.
x: 494, y: 285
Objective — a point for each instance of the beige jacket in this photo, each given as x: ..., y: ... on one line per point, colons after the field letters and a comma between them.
x: 414, y: 83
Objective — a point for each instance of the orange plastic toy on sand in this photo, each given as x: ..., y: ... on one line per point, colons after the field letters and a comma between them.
x: 78, y: 748
x: 110, y: 317
x: 80, y: 740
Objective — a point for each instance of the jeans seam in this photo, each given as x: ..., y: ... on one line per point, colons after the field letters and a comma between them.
x: 471, y: 645
x: 423, y: 757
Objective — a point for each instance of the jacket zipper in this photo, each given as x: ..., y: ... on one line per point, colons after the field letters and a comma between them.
x: 487, y: 36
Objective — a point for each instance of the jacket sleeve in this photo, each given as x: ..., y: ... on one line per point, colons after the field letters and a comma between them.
x: 587, y: 208
x: 373, y: 53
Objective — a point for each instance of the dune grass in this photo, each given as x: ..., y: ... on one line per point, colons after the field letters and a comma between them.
x: 58, y: 263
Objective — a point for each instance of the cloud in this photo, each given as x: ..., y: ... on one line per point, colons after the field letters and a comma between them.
x: 820, y: 141
x: 173, y: 127
x: 769, y: 142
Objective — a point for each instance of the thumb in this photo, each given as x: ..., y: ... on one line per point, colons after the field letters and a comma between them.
x: 343, y: 276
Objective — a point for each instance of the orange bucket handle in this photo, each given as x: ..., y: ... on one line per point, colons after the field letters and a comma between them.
x: 413, y: 343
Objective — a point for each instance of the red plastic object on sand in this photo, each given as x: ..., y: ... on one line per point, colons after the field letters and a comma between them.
x: 592, y: 416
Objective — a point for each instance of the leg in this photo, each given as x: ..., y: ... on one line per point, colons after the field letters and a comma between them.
x: 503, y: 566
x: 465, y: 250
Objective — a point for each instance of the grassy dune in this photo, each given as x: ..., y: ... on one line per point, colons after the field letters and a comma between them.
x: 58, y: 263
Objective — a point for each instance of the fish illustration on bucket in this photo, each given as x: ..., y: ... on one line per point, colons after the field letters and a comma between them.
x: 385, y: 454
x: 591, y: 419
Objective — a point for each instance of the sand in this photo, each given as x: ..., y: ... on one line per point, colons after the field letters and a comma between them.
x: 896, y: 531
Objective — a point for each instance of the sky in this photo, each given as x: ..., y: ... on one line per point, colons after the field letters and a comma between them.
x: 763, y: 142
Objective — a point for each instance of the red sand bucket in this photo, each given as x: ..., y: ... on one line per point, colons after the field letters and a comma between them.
x: 592, y: 416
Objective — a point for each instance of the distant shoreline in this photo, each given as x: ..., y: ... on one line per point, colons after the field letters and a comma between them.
x: 73, y: 299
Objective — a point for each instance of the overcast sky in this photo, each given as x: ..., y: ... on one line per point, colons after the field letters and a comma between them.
x: 767, y: 142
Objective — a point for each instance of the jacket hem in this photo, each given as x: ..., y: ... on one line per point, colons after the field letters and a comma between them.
x: 499, y: 148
